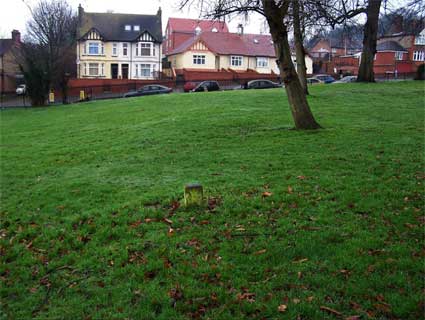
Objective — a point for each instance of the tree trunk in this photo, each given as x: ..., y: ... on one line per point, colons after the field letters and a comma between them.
x: 300, y: 109
x: 299, y: 47
x: 370, y: 35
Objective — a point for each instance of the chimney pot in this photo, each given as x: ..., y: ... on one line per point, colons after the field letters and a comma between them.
x: 16, y: 36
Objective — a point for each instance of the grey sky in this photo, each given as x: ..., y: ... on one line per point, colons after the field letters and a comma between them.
x: 14, y: 13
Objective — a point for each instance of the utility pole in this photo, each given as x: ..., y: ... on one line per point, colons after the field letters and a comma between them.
x: 2, y: 81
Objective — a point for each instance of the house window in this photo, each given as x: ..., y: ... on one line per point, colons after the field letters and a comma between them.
x: 145, y: 70
x: 94, y: 48
x: 93, y: 69
x: 418, y: 55
x: 145, y: 49
x: 420, y: 40
x: 399, y: 55
x: 236, y: 61
x: 127, y: 27
x: 137, y: 71
x: 125, y: 49
x: 114, y: 49
x: 136, y: 28
x: 262, y: 62
x: 198, y: 59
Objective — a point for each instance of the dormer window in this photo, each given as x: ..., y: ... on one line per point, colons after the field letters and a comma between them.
x: 198, y: 30
x: 136, y: 28
x: 214, y: 29
x: 255, y: 41
x: 127, y: 27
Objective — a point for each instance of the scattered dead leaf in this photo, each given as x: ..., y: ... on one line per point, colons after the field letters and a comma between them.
x: 282, y: 308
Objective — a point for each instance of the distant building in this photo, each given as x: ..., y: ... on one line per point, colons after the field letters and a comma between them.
x: 119, y: 46
x: 396, y: 54
x: 180, y: 30
x: 215, y: 51
x: 10, y: 74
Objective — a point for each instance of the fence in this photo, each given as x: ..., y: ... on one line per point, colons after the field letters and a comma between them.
x: 109, y: 89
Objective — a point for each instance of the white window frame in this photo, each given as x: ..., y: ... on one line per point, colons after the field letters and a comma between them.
x: 145, y: 67
x: 145, y: 46
x: 95, y: 68
x: 93, y: 45
x: 125, y: 49
x: 136, y: 28
x: 399, y: 55
x: 199, y: 59
x: 115, y: 49
x: 420, y: 40
x: 262, y: 62
x: 236, y: 61
x: 127, y: 27
x: 418, y: 55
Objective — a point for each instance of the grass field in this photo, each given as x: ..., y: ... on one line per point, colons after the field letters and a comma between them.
x: 320, y: 225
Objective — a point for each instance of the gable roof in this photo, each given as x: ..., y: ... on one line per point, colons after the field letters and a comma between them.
x: 231, y: 44
x: 390, y: 46
x: 5, y: 45
x: 111, y: 26
x: 189, y: 25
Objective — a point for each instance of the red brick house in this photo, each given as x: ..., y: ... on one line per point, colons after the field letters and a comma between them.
x: 179, y: 30
x: 10, y: 74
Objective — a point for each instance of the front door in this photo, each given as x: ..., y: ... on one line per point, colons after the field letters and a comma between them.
x: 114, y: 71
x: 124, y: 71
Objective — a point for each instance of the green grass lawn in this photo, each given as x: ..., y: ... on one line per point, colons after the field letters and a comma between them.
x: 91, y: 229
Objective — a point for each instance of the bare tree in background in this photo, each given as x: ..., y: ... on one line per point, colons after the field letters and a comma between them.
x: 277, y: 14
x: 51, y: 30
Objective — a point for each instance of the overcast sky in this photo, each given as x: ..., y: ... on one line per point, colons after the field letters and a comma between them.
x: 14, y: 13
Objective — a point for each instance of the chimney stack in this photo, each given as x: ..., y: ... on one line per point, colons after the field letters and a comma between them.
x: 80, y: 12
x: 240, y: 29
x: 16, y: 36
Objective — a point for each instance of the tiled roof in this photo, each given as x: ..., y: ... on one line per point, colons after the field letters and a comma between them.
x: 112, y: 25
x: 189, y: 25
x: 390, y: 46
x: 232, y: 43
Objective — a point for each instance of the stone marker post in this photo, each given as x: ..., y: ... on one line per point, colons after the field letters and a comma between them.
x: 193, y: 195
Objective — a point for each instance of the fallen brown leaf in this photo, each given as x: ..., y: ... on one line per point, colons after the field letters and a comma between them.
x: 260, y: 252
x: 267, y: 194
x: 282, y: 308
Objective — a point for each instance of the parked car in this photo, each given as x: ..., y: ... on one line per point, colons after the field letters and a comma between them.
x: 324, y: 78
x: 207, y: 86
x: 347, y: 79
x: 313, y: 81
x: 148, y: 90
x: 21, y: 90
x: 189, y: 86
x: 261, y: 84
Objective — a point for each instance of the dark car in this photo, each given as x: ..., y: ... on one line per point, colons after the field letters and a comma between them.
x: 261, y: 84
x: 324, y: 78
x: 148, y: 90
x: 207, y: 86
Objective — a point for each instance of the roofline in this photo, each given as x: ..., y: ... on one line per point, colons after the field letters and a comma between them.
x: 386, y: 50
x: 119, y: 13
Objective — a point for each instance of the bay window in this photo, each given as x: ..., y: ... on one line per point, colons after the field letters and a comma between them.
x: 145, y: 70
x: 94, y: 69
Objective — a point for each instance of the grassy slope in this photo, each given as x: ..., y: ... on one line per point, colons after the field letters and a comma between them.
x: 341, y: 229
